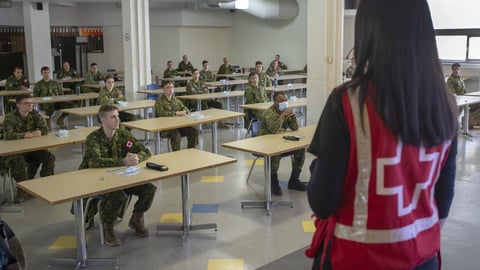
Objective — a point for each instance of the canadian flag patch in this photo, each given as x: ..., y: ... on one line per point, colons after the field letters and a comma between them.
x: 129, y: 144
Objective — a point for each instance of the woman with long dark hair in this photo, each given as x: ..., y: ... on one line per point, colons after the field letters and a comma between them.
x: 382, y: 182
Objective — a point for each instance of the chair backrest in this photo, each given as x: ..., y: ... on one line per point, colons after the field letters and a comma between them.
x: 152, y: 86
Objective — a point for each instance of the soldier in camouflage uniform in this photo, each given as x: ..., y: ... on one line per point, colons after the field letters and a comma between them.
x: 170, y: 72
x: 47, y: 88
x: 274, y: 70
x: 253, y: 94
x: 67, y: 73
x: 276, y: 119
x: 263, y: 79
x: 281, y: 65
x: 225, y: 68
x: 196, y: 86
x: 168, y: 106
x: 206, y: 75
x: 185, y: 65
x: 93, y: 76
x: 112, y: 95
x: 15, y: 82
x: 24, y: 123
x: 111, y: 146
x: 454, y: 82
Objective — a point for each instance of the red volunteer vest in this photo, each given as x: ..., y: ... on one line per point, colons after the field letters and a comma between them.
x: 388, y: 217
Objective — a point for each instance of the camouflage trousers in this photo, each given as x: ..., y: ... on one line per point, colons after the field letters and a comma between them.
x: 297, y: 156
x: 176, y: 135
x: 114, y: 201
x: 31, y: 161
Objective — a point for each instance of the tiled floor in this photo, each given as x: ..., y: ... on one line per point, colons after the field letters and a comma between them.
x: 246, y: 238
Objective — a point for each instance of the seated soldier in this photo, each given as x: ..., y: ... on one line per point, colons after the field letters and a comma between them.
x: 24, y: 123
x: 167, y: 106
x: 112, y: 95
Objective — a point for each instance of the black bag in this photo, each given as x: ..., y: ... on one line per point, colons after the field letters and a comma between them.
x: 11, y: 252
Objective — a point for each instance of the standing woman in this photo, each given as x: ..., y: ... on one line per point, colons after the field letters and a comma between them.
x: 382, y: 183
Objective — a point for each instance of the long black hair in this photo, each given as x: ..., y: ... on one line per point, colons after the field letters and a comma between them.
x: 399, y: 70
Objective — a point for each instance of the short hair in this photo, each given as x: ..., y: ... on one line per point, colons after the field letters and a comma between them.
x: 258, y: 63
x: 168, y: 82
x: 93, y: 64
x: 251, y: 75
x: 278, y: 55
x: 456, y: 65
x: 277, y: 94
x: 225, y: 58
x: 110, y: 76
x: 66, y: 62
x: 105, y: 109
x: 169, y: 62
x: 193, y: 70
x: 44, y: 68
x: 22, y: 97
x: 204, y: 62
x: 17, y: 67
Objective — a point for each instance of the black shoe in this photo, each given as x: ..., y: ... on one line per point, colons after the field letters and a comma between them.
x: 276, y: 190
x: 297, y: 185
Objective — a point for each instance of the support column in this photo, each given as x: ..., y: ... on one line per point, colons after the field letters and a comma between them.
x: 136, y: 47
x: 36, y: 17
x: 324, y: 53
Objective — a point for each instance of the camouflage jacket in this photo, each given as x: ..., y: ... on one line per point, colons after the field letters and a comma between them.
x: 185, y: 67
x: 272, y: 71
x: 223, y: 69
x: 104, y: 152
x: 91, y: 78
x: 281, y: 65
x: 169, y: 73
x: 255, y: 94
x: 272, y: 123
x: 106, y: 97
x: 13, y: 84
x: 207, y: 76
x: 72, y: 73
x: 15, y: 126
x: 456, y: 85
x: 194, y: 88
x: 264, y: 80
x: 165, y: 107
x: 47, y: 89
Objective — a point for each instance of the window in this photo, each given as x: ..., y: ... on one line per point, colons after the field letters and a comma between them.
x: 452, y: 47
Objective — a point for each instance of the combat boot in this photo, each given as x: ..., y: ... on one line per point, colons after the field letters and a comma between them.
x: 275, y: 187
x: 137, y: 224
x: 295, y: 183
x: 109, y: 235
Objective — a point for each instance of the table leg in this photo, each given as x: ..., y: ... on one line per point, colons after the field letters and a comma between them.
x: 186, y: 226
x: 81, y: 261
x: 214, y: 137
x: 157, y: 142
x: 199, y: 108
x: 90, y: 120
x: 147, y: 134
x: 1, y: 104
x: 267, y: 203
x: 466, y: 113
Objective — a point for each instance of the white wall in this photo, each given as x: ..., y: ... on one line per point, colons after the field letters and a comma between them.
x: 12, y: 16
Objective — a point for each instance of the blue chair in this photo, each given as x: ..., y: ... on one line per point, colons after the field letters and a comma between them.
x: 152, y: 86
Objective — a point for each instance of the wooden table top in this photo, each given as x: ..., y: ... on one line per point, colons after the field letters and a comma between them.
x: 65, y: 187
x: 160, y: 91
x: 223, y: 83
x: 274, y: 144
x: 44, y: 142
x: 467, y: 99
x: 4, y: 93
x: 300, y: 102
x: 98, y: 86
x: 62, y: 98
x: 167, y: 123
x: 286, y: 87
x: 177, y: 78
x: 233, y: 75
x: 72, y: 80
x: 208, y: 96
x: 291, y: 77
x: 92, y: 110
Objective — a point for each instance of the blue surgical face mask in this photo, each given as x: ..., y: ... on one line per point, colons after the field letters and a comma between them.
x: 282, y: 106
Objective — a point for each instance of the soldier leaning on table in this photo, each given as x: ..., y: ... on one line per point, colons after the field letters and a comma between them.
x: 263, y: 79
x: 253, y: 94
x: 111, y: 146
x: 112, y: 95
x: 67, y: 73
x: 24, y: 123
x: 275, y: 119
x: 185, y: 65
x: 47, y: 88
x: 16, y: 81
x: 167, y: 106
x: 206, y: 75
